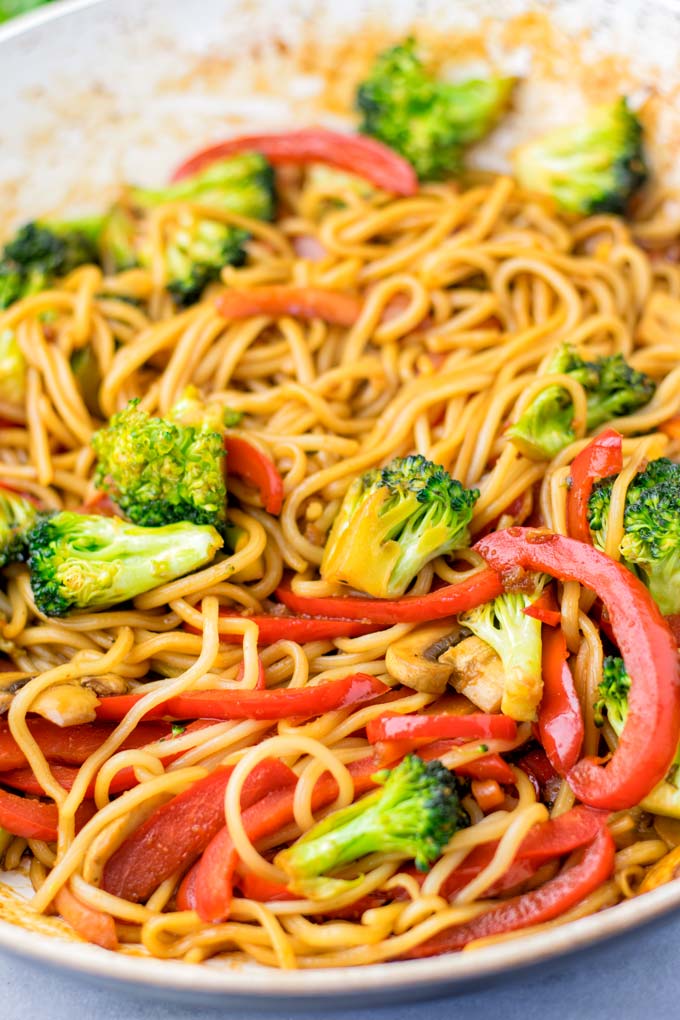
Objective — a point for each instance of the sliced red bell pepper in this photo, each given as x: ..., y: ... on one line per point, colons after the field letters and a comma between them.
x: 177, y: 832
x: 247, y: 462
x: 602, y: 457
x: 253, y: 887
x: 36, y: 819
x: 297, y: 628
x: 357, y: 154
x: 673, y: 622
x: 24, y: 779
x: 71, y: 745
x: 445, y: 601
x: 301, y: 302
x: 543, y: 904
x: 556, y: 837
x: 468, y: 727
x: 209, y: 891
x: 235, y: 704
x: 560, y: 723
x: 93, y: 925
x: 491, y: 766
x: 261, y: 684
x: 650, y: 736
x: 545, y: 608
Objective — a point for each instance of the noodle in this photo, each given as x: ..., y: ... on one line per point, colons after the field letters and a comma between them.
x: 463, y: 294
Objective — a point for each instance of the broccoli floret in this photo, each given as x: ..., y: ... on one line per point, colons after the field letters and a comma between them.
x: 12, y: 369
x: 78, y: 561
x: 589, y: 167
x: 392, y: 522
x: 159, y: 471
x: 612, y: 704
x: 17, y: 515
x: 197, y: 246
x: 612, y: 388
x: 650, y: 546
x: 416, y: 813
x: 40, y: 252
x: 425, y: 120
x: 516, y: 638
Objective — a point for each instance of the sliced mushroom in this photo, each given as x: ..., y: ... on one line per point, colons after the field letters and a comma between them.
x: 107, y: 684
x: 415, y: 661
x: 476, y: 671
x: 66, y: 704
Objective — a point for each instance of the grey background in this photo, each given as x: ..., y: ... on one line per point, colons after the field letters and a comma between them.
x: 622, y: 980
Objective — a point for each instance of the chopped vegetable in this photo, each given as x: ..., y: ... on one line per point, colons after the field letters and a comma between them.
x: 650, y: 545
x: 41, y: 252
x: 246, y: 461
x: 302, y: 302
x: 416, y: 813
x: 601, y: 457
x: 12, y: 368
x: 161, y: 471
x: 434, y: 727
x: 593, y: 166
x: 560, y: 723
x: 426, y: 120
x: 612, y: 388
x: 17, y: 516
x: 79, y: 560
x: 394, y: 520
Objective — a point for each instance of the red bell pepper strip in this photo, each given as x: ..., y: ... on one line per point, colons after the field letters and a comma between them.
x: 544, y: 779
x: 560, y: 723
x: 177, y: 832
x: 556, y: 837
x: 300, y: 302
x: 297, y: 628
x: 71, y: 745
x: 357, y: 154
x: 599, y: 459
x: 35, y: 819
x: 247, y: 462
x: 469, y: 727
x: 253, y: 887
x: 491, y: 766
x: 445, y: 601
x: 545, y: 608
x: 210, y: 891
x: 673, y: 622
x: 536, y: 907
x: 235, y: 704
x: 650, y: 736
x: 93, y: 925
x: 24, y: 779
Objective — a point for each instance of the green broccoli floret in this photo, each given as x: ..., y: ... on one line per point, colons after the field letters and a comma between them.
x: 416, y: 813
x: 590, y: 167
x: 197, y: 247
x: 650, y: 546
x: 516, y: 638
x: 159, y: 471
x: 392, y: 522
x: 425, y: 120
x: 40, y: 252
x: 17, y: 515
x: 612, y: 388
x: 12, y: 369
x: 81, y: 561
x: 612, y: 704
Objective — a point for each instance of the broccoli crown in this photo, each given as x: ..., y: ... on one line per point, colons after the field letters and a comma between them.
x: 613, y: 690
x: 12, y: 369
x: 593, y: 166
x: 79, y: 561
x: 612, y: 388
x: 40, y: 252
x: 516, y: 638
x: 242, y: 184
x: 17, y: 515
x: 425, y: 120
x: 416, y: 813
x: 393, y: 521
x: 195, y: 254
x: 650, y: 546
x: 160, y: 471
